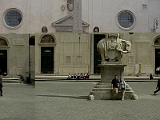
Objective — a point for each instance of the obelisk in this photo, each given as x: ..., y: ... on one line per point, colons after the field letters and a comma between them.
x: 77, y: 17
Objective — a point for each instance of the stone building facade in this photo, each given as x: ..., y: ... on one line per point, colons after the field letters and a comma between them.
x: 76, y: 53
x: 65, y: 53
x: 108, y: 16
x: 17, y: 55
x: 50, y: 24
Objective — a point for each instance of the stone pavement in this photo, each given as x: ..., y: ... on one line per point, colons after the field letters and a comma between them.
x: 67, y: 100
x: 61, y: 100
x: 92, y: 78
x: 17, y: 102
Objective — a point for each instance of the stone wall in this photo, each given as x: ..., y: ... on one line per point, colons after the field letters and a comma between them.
x: 18, y: 55
x: 143, y: 52
x: 71, y: 53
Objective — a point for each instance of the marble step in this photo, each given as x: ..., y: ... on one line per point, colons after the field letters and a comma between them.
x: 99, y: 95
x: 108, y: 89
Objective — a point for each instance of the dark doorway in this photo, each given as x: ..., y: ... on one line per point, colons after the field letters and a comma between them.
x: 32, y: 40
x: 157, y: 58
x: 47, y: 65
x: 3, y: 62
x: 31, y: 59
x: 97, y: 56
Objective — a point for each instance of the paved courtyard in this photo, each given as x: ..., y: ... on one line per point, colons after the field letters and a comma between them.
x: 61, y: 100
x: 17, y: 102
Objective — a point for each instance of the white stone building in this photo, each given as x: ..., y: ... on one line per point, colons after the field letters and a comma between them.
x: 54, y: 18
x: 108, y: 16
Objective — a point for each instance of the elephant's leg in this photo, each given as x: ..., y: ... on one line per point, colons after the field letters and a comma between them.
x: 102, y: 56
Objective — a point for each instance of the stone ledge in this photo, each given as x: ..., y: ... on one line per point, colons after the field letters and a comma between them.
x: 103, y: 91
x: 106, y: 95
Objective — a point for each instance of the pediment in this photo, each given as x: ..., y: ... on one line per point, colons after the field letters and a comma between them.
x: 67, y: 21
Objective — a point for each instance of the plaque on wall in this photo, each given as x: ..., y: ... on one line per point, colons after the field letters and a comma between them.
x: 70, y: 5
x: 96, y: 29
x: 44, y: 29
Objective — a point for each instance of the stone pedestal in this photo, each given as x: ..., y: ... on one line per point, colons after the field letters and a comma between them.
x: 109, y: 70
x: 102, y: 90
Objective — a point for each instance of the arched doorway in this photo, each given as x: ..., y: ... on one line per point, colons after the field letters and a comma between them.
x: 47, y: 54
x: 157, y: 52
x: 3, y: 56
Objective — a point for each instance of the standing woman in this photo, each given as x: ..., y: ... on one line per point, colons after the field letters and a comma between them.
x: 122, y: 86
x: 1, y: 85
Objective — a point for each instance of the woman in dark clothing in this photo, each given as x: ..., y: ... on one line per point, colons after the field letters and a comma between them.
x: 158, y: 86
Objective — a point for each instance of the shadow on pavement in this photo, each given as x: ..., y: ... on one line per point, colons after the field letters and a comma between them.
x: 155, y: 94
x: 74, y: 97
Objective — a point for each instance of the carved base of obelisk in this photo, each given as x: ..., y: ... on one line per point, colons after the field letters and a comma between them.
x: 103, y: 91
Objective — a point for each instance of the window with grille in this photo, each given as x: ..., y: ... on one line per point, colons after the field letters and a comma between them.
x: 13, y: 18
x: 126, y: 19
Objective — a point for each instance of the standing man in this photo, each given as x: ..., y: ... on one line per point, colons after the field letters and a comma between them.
x: 158, y: 87
x: 114, y: 87
x: 1, y: 85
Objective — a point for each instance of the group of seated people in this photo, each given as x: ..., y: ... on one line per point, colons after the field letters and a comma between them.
x: 78, y: 76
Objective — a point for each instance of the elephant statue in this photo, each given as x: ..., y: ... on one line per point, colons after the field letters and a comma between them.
x: 112, y: 47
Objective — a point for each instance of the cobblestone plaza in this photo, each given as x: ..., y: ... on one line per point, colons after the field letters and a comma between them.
x: 68, y: 100
x: 17, y: 102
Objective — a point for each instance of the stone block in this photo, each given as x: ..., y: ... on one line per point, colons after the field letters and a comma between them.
x: 102, y: 91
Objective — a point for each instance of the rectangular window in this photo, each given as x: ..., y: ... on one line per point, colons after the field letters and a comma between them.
x: 130, y: 59
x: 68, y: 59
x: 79, y: 59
